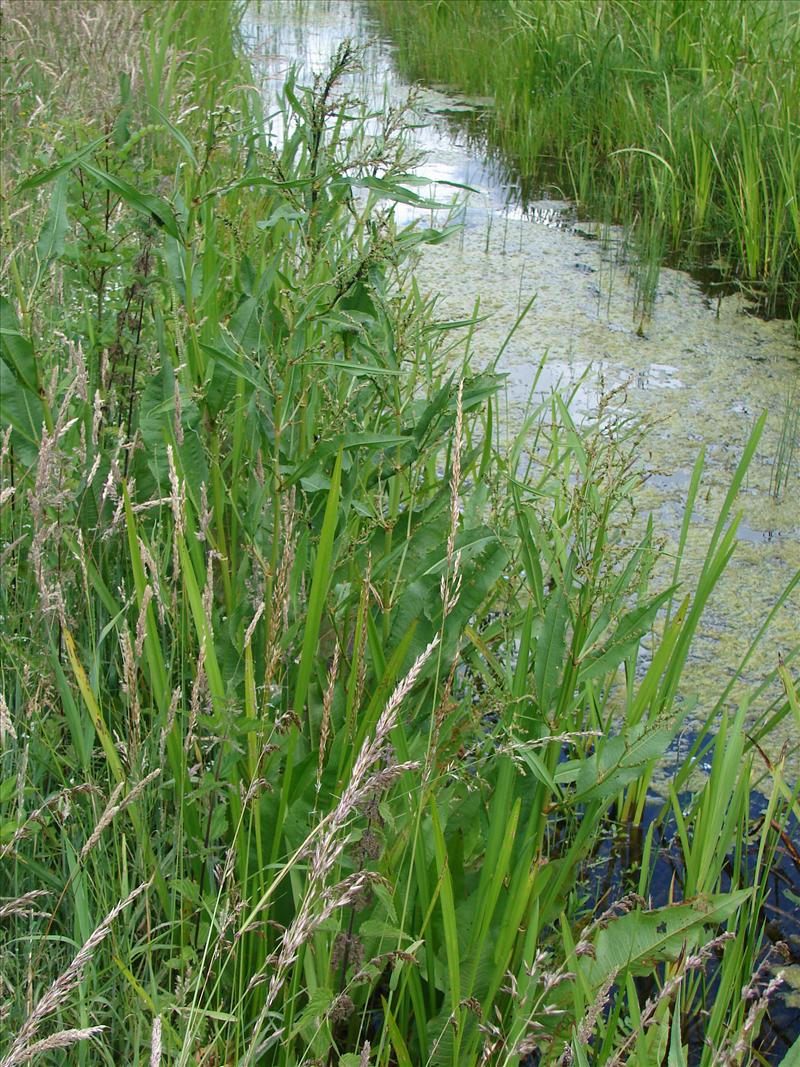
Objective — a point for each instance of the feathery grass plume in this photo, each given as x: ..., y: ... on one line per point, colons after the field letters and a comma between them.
x: 166, y: 730
x: 737, y: 1048
x: 152, y: 572
x: 279, y: 605
x: 327, y: 704
x: 208, y: 589
x: 178, y: 496
x: 204, y: 518
x: 155, y: 1043
x: 451, y: 579
x: 251, y: 629
x: 7, y: 491
x: 200, y: 702
x: 371, y: 752
x: 112, y: 809
x: 23, y: 905
x: 692, y: 962
x: 106, y: 816
x: 178, y: 414
x: 131, y: 690
x: 62, y: 1039
x: 59, y: 802
x: 320, y: 902
x: 63, y: 986
x: 141, y: 621
x: 6, y: 724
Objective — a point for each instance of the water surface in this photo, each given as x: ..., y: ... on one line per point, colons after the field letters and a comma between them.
x: 700, y: 371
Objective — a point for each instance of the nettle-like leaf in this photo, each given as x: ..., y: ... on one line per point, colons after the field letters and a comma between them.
x: 637, y: 941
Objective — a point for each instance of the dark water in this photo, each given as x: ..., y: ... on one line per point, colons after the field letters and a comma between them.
x: 613, y: 870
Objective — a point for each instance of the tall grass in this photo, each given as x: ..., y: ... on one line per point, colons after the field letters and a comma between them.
x: 314, y: 705
x: 677, y: 118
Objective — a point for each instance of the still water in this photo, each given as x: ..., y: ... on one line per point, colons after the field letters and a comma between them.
x: 700, y: 370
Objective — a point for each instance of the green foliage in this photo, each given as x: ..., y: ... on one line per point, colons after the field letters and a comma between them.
x: 677, y: 118
x: 330, y: 697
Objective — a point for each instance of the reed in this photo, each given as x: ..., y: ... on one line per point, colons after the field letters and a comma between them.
x: 676, y: 118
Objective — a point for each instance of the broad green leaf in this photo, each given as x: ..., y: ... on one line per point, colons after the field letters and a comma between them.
x: 178, y: 136
x: 549, y: 654
x: 634, y: 942
x: 319, y: 591
x: 154, y: 206
x: 389, y: 190
x: 15, y: 349
x: 237, y: 365
x: 51, y: 240
x: 626, y: 637
x: 617, y: 761
x: 48, y: 173
x: 245, y: 325
x: 317, y: 1006
x: 22, y: 410
x: 346, y: 443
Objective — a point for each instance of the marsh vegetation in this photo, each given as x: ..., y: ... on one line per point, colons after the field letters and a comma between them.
x: 324, y: 708
x: 678, y: 119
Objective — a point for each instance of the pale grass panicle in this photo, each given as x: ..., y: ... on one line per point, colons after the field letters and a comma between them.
x: 155, y: 1043
x: 114, y: 806
x: 6, y: 490
x: 141, y: 621
x: 451, y: 579
x: 130, y: 688
x: 178, y: 497
x: 692, y: 962
x: 24, y: 905
x: 63, y: 32
x: 200, y: 703
x: 152, y: 571
x: 60, y: 803
x: 736, y: 1049
x: 166, y: 730
x: 327, y: 705
x: 251, y: 629
x: 61, y: 989
x: 281, y: 594
x: 60, y: 1040
x: 204, y: 518
x: 6, y: 723
x: 321, y: 901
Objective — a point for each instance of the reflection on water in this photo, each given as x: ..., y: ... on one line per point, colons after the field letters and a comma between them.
x: 701, y: 373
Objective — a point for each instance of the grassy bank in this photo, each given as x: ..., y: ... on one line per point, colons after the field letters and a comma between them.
x: 675, y: 117
x: 318, y: 712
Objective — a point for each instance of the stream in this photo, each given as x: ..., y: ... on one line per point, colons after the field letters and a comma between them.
x: 700, y: 370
